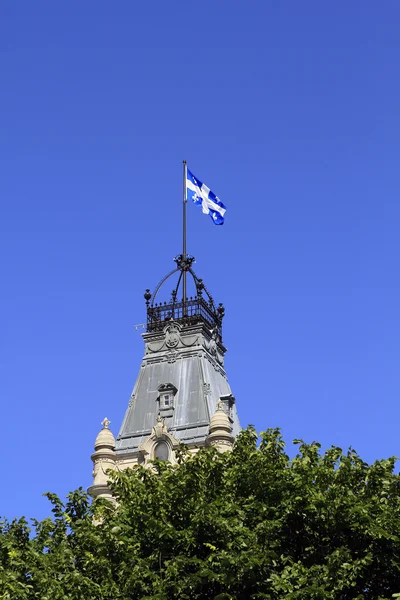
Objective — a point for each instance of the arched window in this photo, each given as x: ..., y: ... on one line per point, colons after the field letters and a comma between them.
x: 161, y: 451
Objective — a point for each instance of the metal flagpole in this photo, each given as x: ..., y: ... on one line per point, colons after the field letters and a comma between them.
x: 184, y: 237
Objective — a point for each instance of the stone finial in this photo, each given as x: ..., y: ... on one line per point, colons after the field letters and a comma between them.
x: 220, y: 434
x: 105, y: 422
x: 160, y: 428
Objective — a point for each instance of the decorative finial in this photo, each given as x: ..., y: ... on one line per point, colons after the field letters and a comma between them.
x: 184, y: 263
x: 105, y: 422
x: 159, y: 418
x: 221, y: 310
x: 147, y: 297
x: 220, y: 406
x: 200, y: 287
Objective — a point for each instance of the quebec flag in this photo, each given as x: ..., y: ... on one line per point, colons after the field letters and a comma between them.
x: 204, y: 197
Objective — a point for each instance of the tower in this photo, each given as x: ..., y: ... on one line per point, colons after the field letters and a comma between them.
x: 181, y: 394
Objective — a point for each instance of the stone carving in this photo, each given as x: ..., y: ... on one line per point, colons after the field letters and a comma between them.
x: 212, y: 346
x: 218, y: 442
x: 159, y: 433
x: 106, y: 423
x: 172, y: 335
x: 172, y: 339
x: 131, y: 400
x: 192, y: 341
x: 150, y: 348
x: 172, y: 356
x: 206, y: 389
x: 101, y: 467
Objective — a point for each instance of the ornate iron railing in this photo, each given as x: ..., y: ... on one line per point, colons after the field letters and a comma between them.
x: 193, y: 311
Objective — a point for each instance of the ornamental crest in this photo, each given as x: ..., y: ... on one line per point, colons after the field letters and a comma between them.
x: 172, y: 334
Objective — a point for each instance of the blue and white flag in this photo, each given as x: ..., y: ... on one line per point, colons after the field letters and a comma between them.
x: 204, y: 197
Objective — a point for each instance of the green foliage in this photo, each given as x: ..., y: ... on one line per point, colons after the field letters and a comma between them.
x: 247, y: 524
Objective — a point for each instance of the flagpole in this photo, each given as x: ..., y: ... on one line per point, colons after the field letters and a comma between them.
x: 184, y: 237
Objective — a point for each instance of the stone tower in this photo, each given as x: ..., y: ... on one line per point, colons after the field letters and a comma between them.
x: 181, y: 394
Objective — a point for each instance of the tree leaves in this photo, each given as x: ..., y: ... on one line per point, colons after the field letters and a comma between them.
x: 246, y: 524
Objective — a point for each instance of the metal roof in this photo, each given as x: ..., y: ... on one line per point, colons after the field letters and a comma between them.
x: 190, y: 357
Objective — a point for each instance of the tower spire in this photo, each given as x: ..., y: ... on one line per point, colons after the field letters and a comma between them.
x: 181, y: 394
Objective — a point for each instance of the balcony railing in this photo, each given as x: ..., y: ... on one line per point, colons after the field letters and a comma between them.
x: 193, y: 311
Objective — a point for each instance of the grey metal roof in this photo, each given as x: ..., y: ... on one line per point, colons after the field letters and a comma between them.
x: 191, y: 359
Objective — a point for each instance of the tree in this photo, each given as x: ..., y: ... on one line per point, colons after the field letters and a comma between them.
x: 246, y: 524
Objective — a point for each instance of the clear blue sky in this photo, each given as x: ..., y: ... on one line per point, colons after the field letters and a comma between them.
x: 289, y: 111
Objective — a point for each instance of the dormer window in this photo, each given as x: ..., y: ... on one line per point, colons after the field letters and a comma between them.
x: 164, y: 401
x: 167, y: 392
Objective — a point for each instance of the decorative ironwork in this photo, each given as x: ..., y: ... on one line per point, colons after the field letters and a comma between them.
x: 147, y: 297
x: 193, y: 311
x: 200, y: 309
x: 184, y: 263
